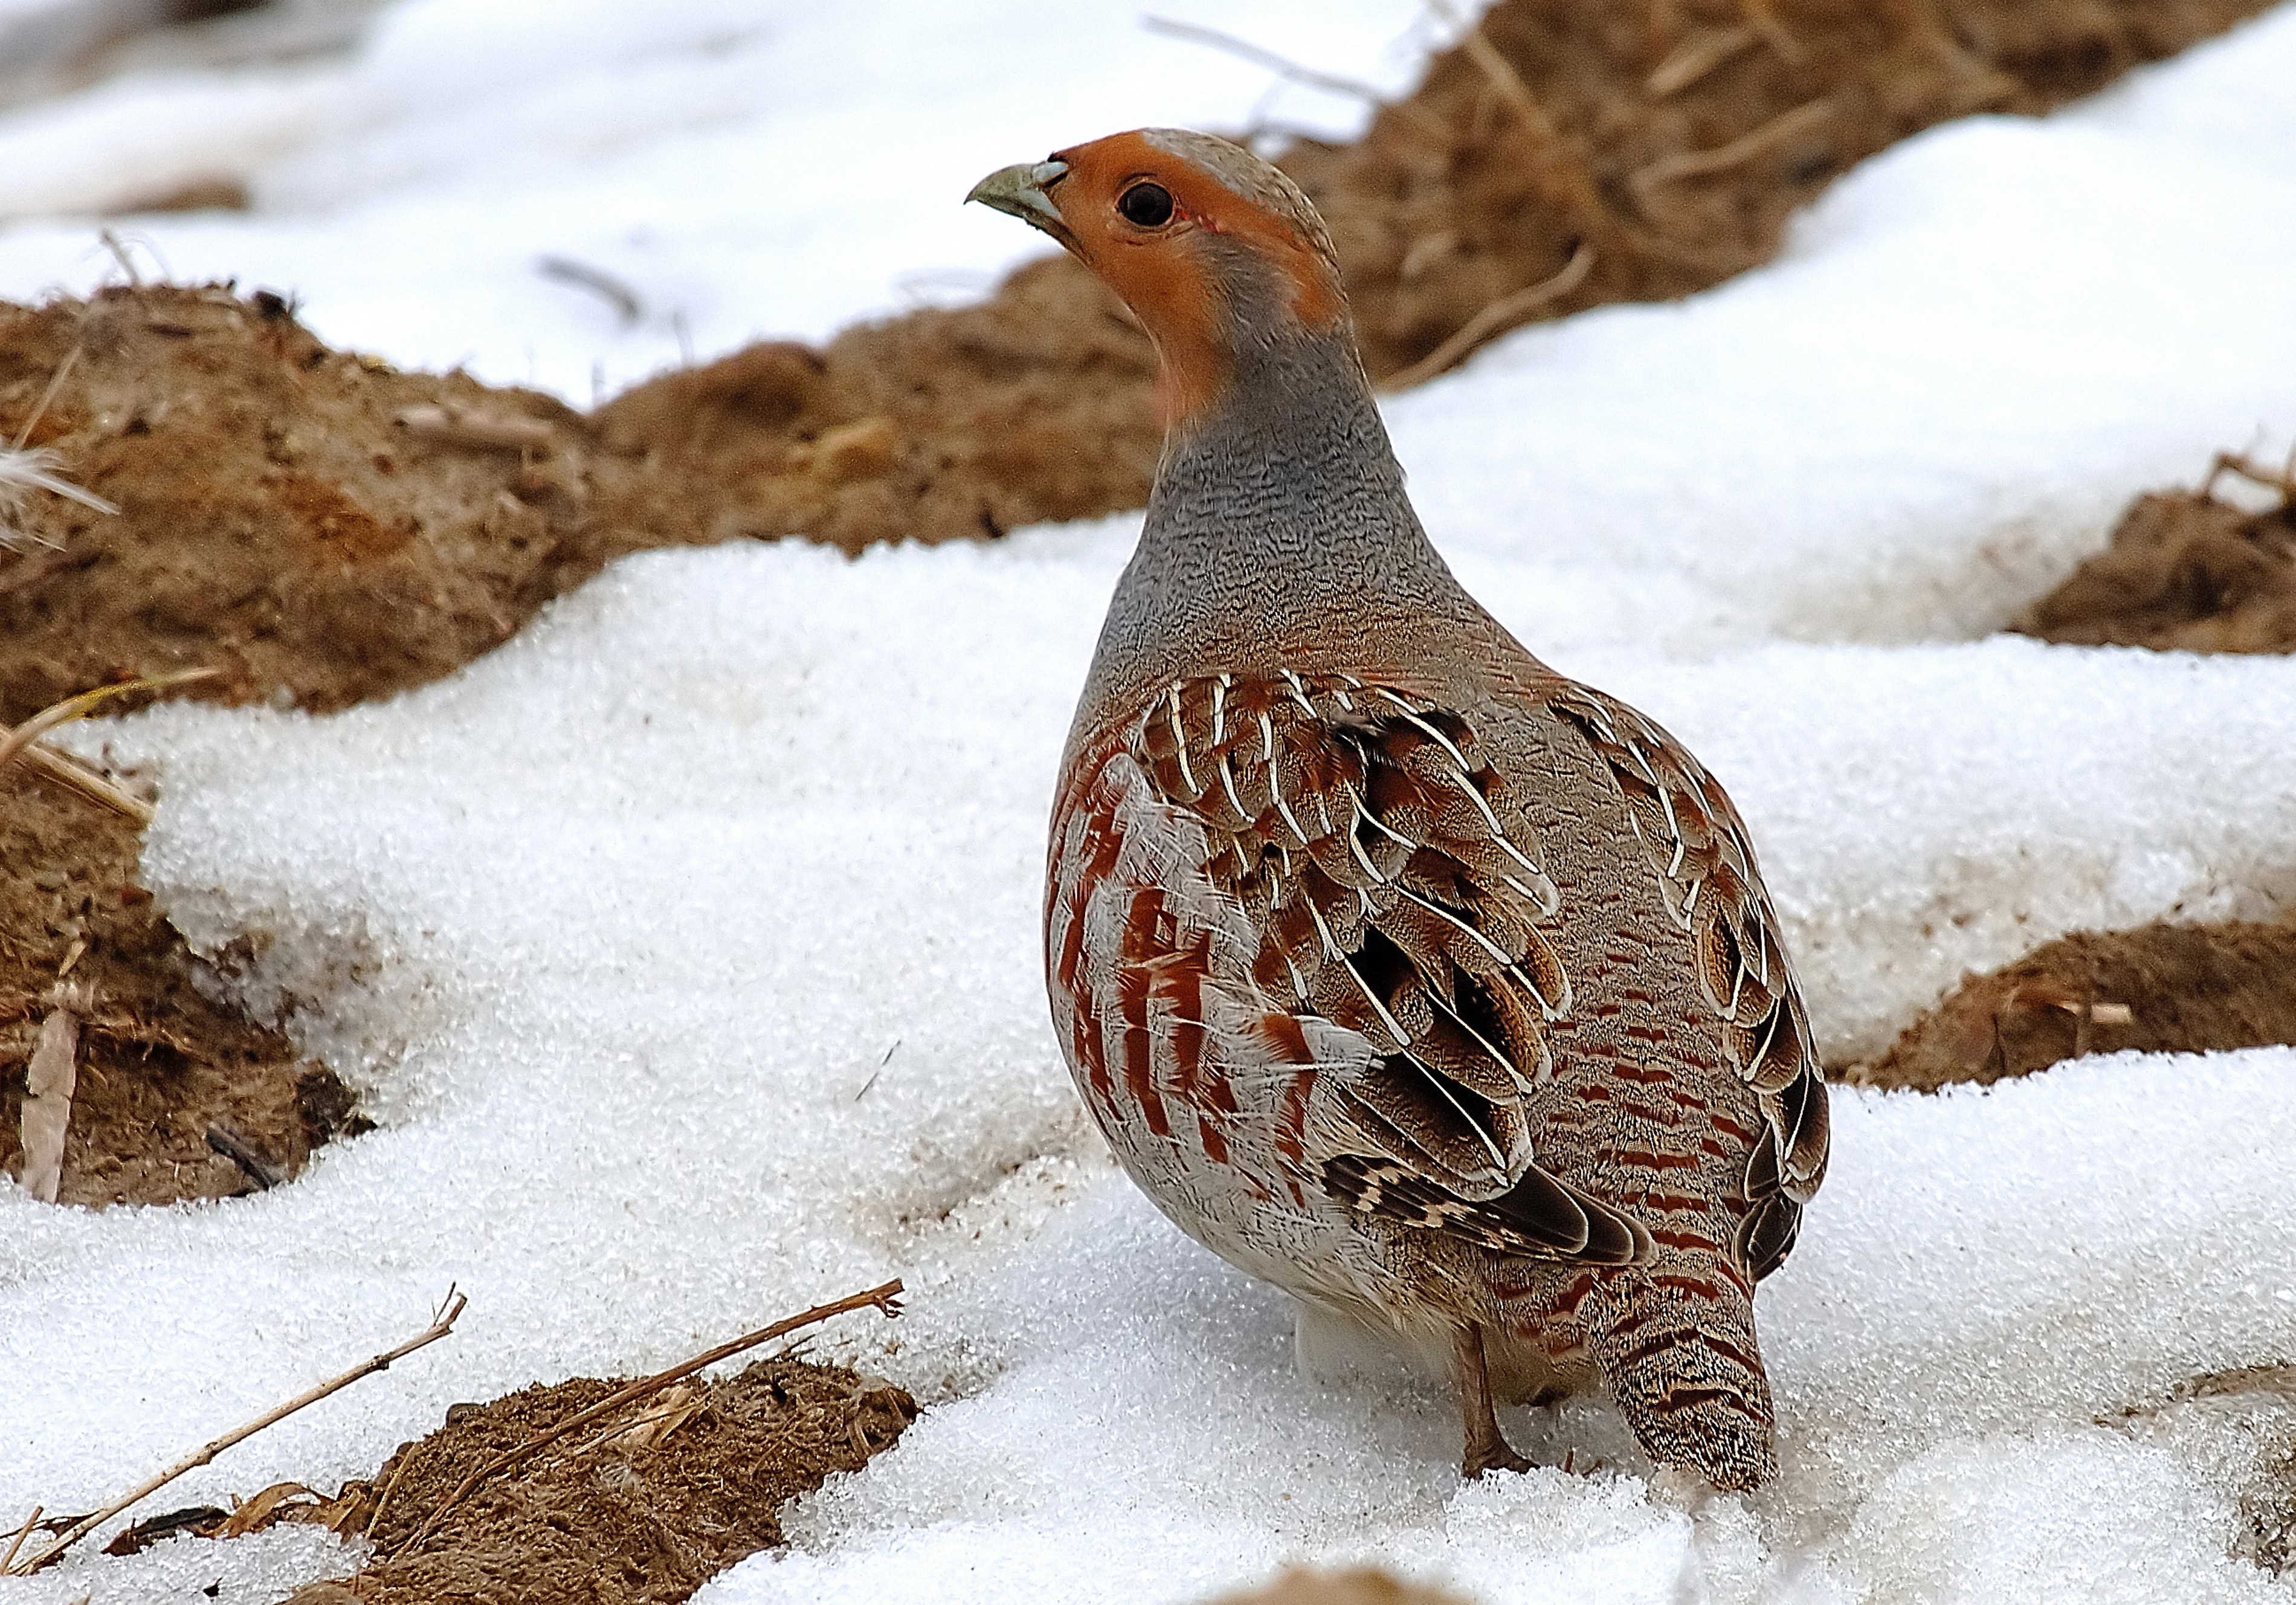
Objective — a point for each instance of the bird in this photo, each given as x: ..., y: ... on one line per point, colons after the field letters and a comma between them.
x: 1397, y: 969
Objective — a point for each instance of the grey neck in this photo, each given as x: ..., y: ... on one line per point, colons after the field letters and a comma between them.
x: 1278, y: 519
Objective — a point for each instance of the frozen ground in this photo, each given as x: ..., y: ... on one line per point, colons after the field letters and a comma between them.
x: 686, y: 948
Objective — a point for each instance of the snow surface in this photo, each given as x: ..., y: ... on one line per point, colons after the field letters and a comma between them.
x: 686, y: 948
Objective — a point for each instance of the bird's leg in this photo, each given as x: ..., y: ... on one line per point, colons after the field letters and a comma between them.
x: 1487, y: 1450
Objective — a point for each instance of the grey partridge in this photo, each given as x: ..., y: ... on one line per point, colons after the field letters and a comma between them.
x: 1432, y: 986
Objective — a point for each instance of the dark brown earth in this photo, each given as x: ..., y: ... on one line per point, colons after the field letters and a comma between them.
x: 278, y: 522
x: 2187, y: 570
x: 2161, y: 988
x: 640, y: 1508
x: 159, y: 1066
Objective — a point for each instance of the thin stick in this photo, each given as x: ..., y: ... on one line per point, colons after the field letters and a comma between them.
x: 1692, y: 164
x: 442, y: 1322
x: 1501, y: 72
x: 1495, y: 319
x: 618, y: 295
x: 22, y: 1533
x: 1692, y: 59
x: 56, y: 383
x: 1765, y: 22
x: 886, y: 1298
x: 67, y: 770
x: 374, y: 1517
x: 2227, y: 461
x: 1196, y: 33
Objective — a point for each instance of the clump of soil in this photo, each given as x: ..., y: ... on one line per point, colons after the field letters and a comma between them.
x: 314, y: 526
x: 2161, y: 988
x: 162, y: 1067
x: 1363, y: 1585
x: 942, y: 425
x: 640, y: 1508
x: 2187, y: 570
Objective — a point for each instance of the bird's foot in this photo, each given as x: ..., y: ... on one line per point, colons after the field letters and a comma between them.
x: 1496, y: 1455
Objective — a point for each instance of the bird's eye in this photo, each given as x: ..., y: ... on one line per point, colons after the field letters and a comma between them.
x: 1146, y: 205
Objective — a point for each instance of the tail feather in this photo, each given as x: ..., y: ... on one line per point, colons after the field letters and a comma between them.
x: 1685, y: 1373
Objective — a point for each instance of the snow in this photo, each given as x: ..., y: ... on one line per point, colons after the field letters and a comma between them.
x: 686, y: 948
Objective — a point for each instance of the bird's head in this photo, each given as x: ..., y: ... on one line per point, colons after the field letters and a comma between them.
x: 1217, y: 252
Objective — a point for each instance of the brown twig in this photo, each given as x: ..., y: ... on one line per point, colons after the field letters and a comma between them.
x: 16, y: 1544
x: 1196, y: 33
x: 66, y: 770
x: 1283, y: 67
x: 1495, y: 66
x: 441, y: 1323
x: 1700, y: 53
x: 477, y: 428
x: 1692, y: 164
x: 2281, y: 480
x: 1495, y: 319
x: 383, y: 1499
x: 1775, y: 33
x: 112, y: 243
x: 597, y: 281
x: 886, y: 1298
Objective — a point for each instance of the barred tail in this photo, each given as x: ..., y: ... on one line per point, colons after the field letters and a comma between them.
x: 1678, y: 1355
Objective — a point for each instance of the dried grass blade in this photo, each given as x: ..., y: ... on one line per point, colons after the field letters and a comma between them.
x: 1495, y: 319
x: 75, y: 707
x: 441, y: 1324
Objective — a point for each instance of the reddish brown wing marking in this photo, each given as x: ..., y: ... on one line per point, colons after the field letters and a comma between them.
x: 1395, y: 887
x: 1087, y: 838
x: 1698, y: 844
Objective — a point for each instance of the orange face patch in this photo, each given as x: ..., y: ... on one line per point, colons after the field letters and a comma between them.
x: 1155, y: 259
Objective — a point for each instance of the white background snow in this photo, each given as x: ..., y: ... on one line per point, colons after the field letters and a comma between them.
x: 686, y: 948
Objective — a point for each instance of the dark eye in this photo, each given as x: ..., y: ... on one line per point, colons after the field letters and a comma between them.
x: 1146, y: 205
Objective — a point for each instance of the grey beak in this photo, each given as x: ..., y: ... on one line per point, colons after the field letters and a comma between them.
x: 1019, y: 190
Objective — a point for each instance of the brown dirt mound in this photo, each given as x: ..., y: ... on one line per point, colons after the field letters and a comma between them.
x: 160, y: 1066
x: 2160, y: 989
x: 315, y: 525
x: 640, y: 1509
x: 2186, y: 571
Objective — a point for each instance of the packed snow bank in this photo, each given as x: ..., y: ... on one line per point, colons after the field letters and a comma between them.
x: 686, y: 949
